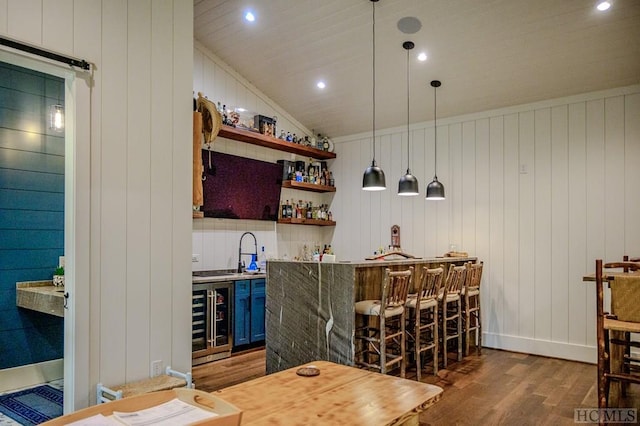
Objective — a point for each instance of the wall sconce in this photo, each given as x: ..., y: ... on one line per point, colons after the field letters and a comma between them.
x: 56, y: 118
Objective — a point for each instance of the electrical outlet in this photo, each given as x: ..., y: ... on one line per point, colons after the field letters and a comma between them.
x: 156, y: 368
x: 195, y: 258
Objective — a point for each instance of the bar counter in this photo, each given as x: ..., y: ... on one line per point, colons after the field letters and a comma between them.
x: 310, y: 306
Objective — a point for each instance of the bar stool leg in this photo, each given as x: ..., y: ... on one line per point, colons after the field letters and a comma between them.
x: 416, y: 347
x: 403, y: 343
x: 383, y: 345
x: 459, y: 322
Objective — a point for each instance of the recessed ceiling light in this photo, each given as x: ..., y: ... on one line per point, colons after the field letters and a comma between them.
x: 249, y: 16
x: 321, y: 85
x: 422, y: 56
x: 603, y: 5
x: 241, y: 110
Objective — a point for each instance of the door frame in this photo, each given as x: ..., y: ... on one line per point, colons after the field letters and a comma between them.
x: 77, y: 214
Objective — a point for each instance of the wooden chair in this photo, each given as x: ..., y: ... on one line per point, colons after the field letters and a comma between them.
x: 384, y: 324
x: 624, y: 318
x: 471, y: 306
x: 629, y: 343
x: 450, y: 311
x: 422, y: 318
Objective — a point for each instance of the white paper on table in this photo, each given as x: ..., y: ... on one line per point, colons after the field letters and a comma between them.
x: 97, y: 420
x: 171, y: 413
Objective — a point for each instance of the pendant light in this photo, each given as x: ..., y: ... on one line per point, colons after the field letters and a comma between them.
x: 435, y: 190
x: 373, y: 179
x: 408, y: 184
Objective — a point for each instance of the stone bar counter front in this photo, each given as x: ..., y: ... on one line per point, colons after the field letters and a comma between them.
x: 310, y: 311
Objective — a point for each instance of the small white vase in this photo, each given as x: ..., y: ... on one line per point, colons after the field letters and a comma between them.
x: 58, y: 280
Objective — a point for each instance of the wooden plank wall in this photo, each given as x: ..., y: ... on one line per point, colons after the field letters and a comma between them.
x: 131, y: 177
x: 518, y: 184
x: 215, y: 241
x: 537, y: 192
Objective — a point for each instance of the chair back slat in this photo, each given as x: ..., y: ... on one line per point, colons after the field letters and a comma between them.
x: 474, y: 275
x: 455, y: 279
x: 396, y: 287
x: 430, y: 282
x: 626, y: 266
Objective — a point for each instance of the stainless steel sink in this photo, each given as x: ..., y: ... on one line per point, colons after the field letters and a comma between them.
x: 213, y: 273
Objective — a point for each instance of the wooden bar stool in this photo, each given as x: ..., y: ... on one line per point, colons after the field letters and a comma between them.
x: 422, y: 318
x: 471, y: 306
x: 383, y: 332
x: 450, y: 302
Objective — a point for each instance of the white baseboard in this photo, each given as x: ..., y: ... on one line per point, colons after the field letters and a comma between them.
x: 31, y: 375
x: 561, y: 350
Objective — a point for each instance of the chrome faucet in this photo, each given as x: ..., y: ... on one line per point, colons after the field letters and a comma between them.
x: 240, y: 253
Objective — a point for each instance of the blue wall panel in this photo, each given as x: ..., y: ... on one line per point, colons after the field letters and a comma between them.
x: 31, y: 211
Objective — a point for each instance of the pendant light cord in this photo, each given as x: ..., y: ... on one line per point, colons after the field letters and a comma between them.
x: 408, y: 142
x: 435, y: 133
x: 373, y: 5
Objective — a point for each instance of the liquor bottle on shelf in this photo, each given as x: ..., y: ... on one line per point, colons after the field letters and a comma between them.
x: 289, y: 210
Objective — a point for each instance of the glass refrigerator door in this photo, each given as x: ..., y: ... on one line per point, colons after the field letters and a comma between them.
x: 221, y: 315
x: 199, y: 320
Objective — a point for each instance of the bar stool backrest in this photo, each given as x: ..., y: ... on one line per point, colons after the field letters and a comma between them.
x: 474, y: 275
x: 430, y: 282
x: 396, y: 287
x: 455, y: 279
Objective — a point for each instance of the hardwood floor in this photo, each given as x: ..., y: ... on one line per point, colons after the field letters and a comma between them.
x: 229, y: 371
x: 496, y: 388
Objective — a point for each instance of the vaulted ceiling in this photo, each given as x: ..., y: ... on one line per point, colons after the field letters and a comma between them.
x: 487, y: 53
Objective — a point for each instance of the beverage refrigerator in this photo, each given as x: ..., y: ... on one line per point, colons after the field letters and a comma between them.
x: 211, y: 321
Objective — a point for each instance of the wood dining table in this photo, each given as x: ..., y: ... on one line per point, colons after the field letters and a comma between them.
x: 339, y: 394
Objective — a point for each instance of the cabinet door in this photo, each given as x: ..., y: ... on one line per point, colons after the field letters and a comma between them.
x: 242, y: 314
x: 258, y: 299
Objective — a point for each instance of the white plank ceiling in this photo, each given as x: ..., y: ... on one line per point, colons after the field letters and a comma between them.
x: 488, y: 54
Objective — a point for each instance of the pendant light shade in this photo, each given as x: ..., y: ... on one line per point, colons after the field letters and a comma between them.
x: 373, y: 178
x: 435, y: 190
x: 408, y: 184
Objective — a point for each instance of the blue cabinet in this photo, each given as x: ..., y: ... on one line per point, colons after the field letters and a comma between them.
x: 258, y: 299
x: 249, y: 308
x: 242, y: 313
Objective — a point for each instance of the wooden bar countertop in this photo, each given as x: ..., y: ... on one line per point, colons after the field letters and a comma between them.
x: 338, y: 395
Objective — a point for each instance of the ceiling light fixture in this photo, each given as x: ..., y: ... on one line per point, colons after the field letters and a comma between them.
x: 408, y: 184
x: 321, y: 85
x: 373, y: 178
x: 435, y: 190
x: 56, y: 116
x: 249, y: 16
x: 603, y: 5
x: 422, y: 56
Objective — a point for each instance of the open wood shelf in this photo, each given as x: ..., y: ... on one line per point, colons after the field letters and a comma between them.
x: 259, y: 139
x: 305, y: 186
x: 316, y: 222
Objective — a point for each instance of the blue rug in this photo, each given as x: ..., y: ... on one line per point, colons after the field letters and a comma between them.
x: 32, y: 406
